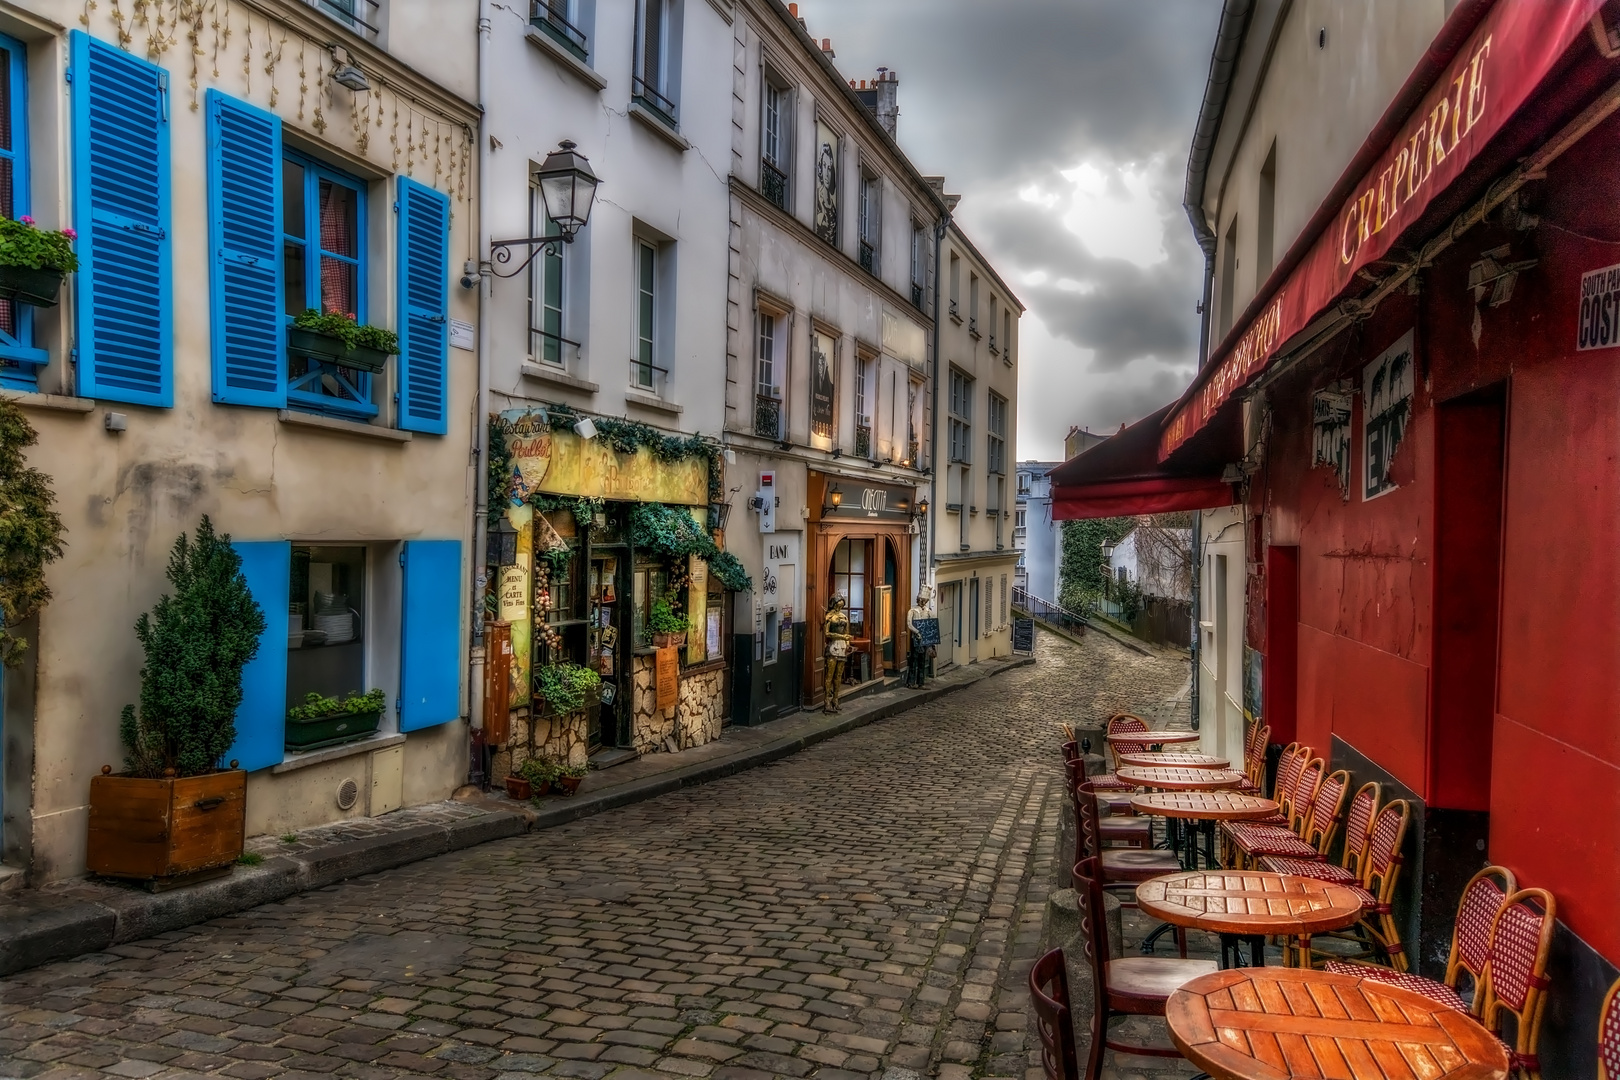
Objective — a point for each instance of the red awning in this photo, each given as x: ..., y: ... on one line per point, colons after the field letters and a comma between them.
x: 1123, y: 474
x: 1479, y: 72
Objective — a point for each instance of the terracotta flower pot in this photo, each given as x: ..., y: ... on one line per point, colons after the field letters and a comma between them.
x: 518, y: 788
x: 664, y: 641
x: 156, y: 830
x: 569, y: 784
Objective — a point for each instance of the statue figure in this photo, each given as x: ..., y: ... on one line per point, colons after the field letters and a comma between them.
x: 917, y: 654
x: 835, y: 633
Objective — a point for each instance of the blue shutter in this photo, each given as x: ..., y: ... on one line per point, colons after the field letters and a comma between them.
x: 244, y: 241
x: 430, y: 660
x: 121, y: 208
x: 261, y: 719
x: 424, y: 307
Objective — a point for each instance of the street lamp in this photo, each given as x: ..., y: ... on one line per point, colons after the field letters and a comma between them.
x: 922, y: 505
x: 568, y: 189
x: 836, y: 497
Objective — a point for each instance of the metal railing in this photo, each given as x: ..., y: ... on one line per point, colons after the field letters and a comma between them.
x: 767, y: 416
x: 648, y: 377
x: 551, y: 16
x: 358, y: 15
x: 917, y: 295
x: 863, y: 440
x: 773, y: 184
x: 1048, y: 612
x: 553, y: 350
x: 647, y: 96
x: 869, y: 259
x: 956, y: 310
x: 973, y: 325
x: 993, y: 344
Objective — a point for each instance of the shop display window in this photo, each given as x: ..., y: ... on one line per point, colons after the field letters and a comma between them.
x: 849, y: 581
x: 326, y: 649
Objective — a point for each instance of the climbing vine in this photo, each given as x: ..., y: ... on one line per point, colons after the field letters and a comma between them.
x: 30, y: 531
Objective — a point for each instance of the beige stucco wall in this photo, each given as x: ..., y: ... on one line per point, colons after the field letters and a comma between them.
x: 124, y: 497
x: 1221, y: 633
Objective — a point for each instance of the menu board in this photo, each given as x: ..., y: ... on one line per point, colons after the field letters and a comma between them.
x: 668, y: 677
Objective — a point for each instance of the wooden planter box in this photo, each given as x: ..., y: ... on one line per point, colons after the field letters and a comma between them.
x: 302, y: 342
x: 28, y: 286
x: 664, y: 641
x: 158, y: 829
x: 330, y: 730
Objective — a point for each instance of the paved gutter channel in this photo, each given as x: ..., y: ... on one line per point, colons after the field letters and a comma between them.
x: 71, y: 918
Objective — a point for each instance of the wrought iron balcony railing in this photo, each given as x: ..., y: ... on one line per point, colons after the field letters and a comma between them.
x: 553, y: 350
x: 917, y: 295
x: 863, y: 441
x: 358, y: 15
x: 647, y: 96
x: 773, y: 183
x: 551, y: 17
x: 649, y: 377
x: 973, y: 325
x: 767, y: 416
x: 869, y: 259
x: 956, y: 310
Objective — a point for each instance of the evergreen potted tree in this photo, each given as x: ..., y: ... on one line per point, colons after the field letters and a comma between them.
x: 174, y: 812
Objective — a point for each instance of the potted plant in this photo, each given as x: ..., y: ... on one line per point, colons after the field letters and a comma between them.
x: 536, y: 775
x: 567, y: 687
x: 173, y: 812
x: 518, y: 787
x: 338, y: 338
x: 33, y: 261
x: 668, y: 628
x: 569, y: 777
x: 328, y: 721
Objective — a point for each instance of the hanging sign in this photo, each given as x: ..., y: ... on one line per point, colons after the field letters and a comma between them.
x: 1512, y: 50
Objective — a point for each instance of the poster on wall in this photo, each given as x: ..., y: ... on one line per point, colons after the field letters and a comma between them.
x: 1253, y: 684
x: 822, y: 389
x: 1598, y: 326
x: 826, y: 221
x: 1388, y: 384
x: 1330, y: 433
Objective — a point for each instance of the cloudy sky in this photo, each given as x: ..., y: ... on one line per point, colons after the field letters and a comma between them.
x: 1064, y: 125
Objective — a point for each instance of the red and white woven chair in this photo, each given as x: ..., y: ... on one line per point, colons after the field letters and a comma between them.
x: 1289, y: 768
x: 1125, y: 724
x: 1357, y: 835
x: 1255, y: 741
x: 1317, y: 829
x: 1609, y: 1036
x: 1482, y: 899
x: 1377, y: 928
x: 1516, y: 973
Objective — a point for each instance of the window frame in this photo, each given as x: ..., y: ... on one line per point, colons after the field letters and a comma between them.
x: 869, y: 226
x: 996, y: 424
x: 645, y: 290
x: 22, y: 358
x: 663, y: 93
x: 541, y: 270
x: 959, y: 409
x: 361, y: 384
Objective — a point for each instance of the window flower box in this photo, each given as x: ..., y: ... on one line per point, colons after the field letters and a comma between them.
x: 328, y: 347
x: 323, y: 731
x: 26, y: 285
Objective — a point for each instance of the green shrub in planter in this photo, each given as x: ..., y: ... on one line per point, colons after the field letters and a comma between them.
x: 328, y: 721
x: 567, y: 687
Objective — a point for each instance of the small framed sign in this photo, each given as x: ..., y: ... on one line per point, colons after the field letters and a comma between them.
x: 928, y: 631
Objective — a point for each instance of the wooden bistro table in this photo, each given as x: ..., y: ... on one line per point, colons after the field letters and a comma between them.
x: 1172, y: 759
x: 1175, y: 778
x: 1153, y: 738
x: 1280, y: 1023
x: 1249, y: 906
x: 1205, y: 807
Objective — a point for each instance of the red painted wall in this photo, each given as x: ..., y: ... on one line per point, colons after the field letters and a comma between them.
x: 1279, y: 684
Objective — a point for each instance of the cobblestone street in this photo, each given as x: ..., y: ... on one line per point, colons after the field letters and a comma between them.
x: 868, y: 907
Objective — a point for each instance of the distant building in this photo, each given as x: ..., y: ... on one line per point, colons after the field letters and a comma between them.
x: 1079, y: 440
x: 1037, y: 538
x: 1158, y: 561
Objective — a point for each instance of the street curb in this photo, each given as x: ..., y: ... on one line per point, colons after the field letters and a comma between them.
x: 42, y: 927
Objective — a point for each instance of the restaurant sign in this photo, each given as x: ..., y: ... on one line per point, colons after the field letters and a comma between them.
x: 562, y: 463
x: 879, y: 502
x: 1514, y: 47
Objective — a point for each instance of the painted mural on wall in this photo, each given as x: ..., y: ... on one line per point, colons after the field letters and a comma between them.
x: 826, y: 221
x: 1253, y: 666
x: 822, y: 385
x: 1330, y: 433
x: 562, y: 463
x: 1388, y: 384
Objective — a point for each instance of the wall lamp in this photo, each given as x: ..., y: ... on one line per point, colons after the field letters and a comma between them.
x: 835, y: 499
x: 568, y: 189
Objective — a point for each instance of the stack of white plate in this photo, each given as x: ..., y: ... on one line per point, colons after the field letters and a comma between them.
x: 338, y: 628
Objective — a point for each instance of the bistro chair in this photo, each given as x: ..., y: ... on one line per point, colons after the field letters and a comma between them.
x: 1289, y: 766
x: 1124, y: 724
x: 1357, y: 835
x: 1121, y: 830
x: 1609, y: 1036
x: 1482, y: 899
x: 1516, y: 973
x: 1106, y: 783
x: 1377, y: 928
x: 1254, y: 759
x: 1054, y: 1024
x: 1119, y: 868
x: 1296, y: 784
x: 1317, y: 830
x: 1132, y: 985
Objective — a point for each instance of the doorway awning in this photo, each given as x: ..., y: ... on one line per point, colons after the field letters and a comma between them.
x: 1487, y: 60
x: 1122, y: 475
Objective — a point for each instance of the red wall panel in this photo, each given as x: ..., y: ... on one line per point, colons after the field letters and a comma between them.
x: 1373, y: 700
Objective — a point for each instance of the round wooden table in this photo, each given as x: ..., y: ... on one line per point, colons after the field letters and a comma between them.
x: 1205, y: 805
x: 1249, y: 904
x: 1278, y: 1023
x: 1175, y: 779
x: 1153, y: 738
x: 1151, y: 759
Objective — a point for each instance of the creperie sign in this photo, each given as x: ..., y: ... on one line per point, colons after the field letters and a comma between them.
x: 1506, y: 57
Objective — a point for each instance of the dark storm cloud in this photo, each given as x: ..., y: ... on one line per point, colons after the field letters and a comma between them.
x: 1001, y: 94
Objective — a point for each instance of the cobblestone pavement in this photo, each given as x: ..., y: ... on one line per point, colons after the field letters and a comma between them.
x: 866, y: 908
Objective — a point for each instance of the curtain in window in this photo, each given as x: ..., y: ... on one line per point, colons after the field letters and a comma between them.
x: 338, y: 237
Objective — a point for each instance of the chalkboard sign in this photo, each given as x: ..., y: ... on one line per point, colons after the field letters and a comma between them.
x: 1024, y: 635
x: 927, y: 632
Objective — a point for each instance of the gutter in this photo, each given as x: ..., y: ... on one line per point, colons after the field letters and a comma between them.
x: 475, y: 675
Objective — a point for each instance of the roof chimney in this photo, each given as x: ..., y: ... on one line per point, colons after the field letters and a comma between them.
x: 793, y: 10
x: 826, y: 47
x: 881, y: 95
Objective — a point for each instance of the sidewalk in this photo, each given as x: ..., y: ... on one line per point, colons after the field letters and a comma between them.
x: 70, y: 918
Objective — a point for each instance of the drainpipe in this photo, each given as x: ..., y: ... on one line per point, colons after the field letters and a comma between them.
x: 934, y: 504
x: 476, y: 773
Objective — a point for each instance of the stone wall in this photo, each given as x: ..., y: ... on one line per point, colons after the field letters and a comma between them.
x: 561, y: 738
x: 695, y: 719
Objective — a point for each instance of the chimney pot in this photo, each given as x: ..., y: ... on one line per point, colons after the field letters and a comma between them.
x: 793, y: 10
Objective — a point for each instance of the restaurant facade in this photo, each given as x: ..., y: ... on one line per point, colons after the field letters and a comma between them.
x: 1413, y: 413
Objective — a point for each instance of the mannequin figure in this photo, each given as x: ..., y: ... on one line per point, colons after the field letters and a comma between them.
x: 835, y: 632
x: 917, y: 654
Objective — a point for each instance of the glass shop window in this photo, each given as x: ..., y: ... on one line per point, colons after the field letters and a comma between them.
x: 849, y: 581
x: 651, y: 581
x: 326, y: 649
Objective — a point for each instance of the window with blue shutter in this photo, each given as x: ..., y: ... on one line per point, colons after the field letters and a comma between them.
x: 121, y: 209
x: 324, y: 267
x: 19, y: 359
x: 430, y: 660
x: 261, y: 719
x: 244, y: 233
x: 424, y: 307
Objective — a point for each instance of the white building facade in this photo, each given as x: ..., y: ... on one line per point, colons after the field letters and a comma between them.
x: 1037, y: 539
